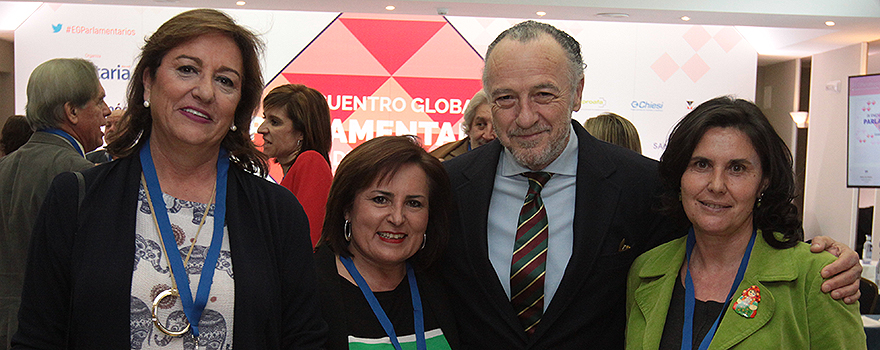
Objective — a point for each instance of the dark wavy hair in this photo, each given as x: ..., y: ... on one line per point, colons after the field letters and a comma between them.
x: 776, y: 212
x: 16, y: 132
x: 179, y: 30
x: 308, y: 111
x: 381, y: 158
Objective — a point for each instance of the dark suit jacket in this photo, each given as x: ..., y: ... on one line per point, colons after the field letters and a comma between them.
x: 77, y: 289
x: 615, y: 192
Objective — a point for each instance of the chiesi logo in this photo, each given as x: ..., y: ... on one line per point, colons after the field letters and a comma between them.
x: 596, y: 103
x: 646, y: 106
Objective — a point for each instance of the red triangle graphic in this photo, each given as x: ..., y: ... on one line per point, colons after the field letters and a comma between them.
x: 434, y: 90
x: 336, y: 85
x: 391, y: 42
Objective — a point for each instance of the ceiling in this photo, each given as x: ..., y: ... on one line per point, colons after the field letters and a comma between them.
x: 778, y: 29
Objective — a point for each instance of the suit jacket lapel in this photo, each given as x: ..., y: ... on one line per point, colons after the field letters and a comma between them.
x: 595, y: 203
x: 474, y: 211
x: 654, y: 294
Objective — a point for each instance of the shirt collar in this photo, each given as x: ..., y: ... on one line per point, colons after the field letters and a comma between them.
x: 565, y: 164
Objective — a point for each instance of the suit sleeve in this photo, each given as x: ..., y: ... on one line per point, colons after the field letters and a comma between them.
x: 45, y: 308
x: 302, y: 327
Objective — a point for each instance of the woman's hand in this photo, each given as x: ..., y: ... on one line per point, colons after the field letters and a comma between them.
x: 844, y: 273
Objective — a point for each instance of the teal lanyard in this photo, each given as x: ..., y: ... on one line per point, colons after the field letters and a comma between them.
x: 689, y: 298
x: 418, y: 313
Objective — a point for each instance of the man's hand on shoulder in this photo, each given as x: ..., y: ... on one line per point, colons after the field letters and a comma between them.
x: 844, y: 273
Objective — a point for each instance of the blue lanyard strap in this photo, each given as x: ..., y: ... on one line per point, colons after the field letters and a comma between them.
x: 192, y: 309
x: 418, y: 313
x: 689, y: 298
x: 67, y: 136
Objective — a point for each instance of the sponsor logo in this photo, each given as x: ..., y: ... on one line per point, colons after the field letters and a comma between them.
x: 56, y: 28
x: 115, y: 73
x: 690, y: 105
x: 646, y: 106
x: 596, y: 103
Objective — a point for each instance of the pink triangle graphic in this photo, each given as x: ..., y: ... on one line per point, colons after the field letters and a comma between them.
x: 446, y: 55
x: 336, y: 51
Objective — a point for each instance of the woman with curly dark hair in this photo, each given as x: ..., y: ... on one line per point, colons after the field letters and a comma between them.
x: 740, y: 278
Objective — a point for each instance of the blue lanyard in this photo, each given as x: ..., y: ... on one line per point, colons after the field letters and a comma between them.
x: 67, y: 136
x: 418, y: 313
x: 192, y: 309
x: 688, y: 329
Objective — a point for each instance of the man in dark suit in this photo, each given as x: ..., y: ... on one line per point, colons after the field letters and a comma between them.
x: 597, y: 201
x: 66, y: 110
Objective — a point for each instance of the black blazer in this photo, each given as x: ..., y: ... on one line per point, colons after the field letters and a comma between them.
x: 77, y: 289
x: 337, y: 317
x: 616, y: 188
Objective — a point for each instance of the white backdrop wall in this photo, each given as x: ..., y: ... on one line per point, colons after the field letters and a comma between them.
x: 652, y: 74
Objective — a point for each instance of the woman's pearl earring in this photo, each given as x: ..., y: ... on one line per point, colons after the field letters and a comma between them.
x: 233, y: 128
x: 146, y: 104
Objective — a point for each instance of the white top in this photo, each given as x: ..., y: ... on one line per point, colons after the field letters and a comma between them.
x: 151, y: 276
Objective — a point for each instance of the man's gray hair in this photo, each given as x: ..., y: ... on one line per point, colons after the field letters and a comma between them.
x: 56, y: 82
x: 470, y: 112
x: 531, y: 30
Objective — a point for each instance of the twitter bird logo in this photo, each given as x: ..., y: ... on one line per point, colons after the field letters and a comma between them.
x: 56, y: 28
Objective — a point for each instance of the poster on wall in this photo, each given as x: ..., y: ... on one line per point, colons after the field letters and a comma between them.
x: 863, y: 143
x: 388, y: 75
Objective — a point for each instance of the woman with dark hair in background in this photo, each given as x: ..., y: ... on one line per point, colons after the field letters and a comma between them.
x: 296, y: 133
x: 16, y: 132
x: 740, y: 278
x: 387, y: 222
x: 117, y: 260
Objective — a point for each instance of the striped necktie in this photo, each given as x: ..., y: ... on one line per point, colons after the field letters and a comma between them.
x: 530, y: 255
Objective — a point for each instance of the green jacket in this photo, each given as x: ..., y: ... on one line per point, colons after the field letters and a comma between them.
x: 793, y: 312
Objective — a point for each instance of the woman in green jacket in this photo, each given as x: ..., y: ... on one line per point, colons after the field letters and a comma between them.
x: 740, y: 278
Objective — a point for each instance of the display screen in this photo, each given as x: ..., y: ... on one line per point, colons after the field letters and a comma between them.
x: 863, y: 143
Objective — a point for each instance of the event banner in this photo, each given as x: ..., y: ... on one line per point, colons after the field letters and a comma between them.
x: 386, y: 74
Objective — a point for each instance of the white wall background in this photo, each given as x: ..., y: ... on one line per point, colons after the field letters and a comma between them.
x: 829, y: 206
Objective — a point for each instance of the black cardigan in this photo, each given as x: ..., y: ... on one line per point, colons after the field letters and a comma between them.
x: 77, y: 287
x: 433, y: 297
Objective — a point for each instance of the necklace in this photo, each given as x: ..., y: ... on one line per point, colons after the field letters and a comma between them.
x: 172, y: 292
x: 192, y: 307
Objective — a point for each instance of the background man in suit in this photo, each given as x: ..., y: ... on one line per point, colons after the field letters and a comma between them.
x: 596, y: 208
x: 66, y: 110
